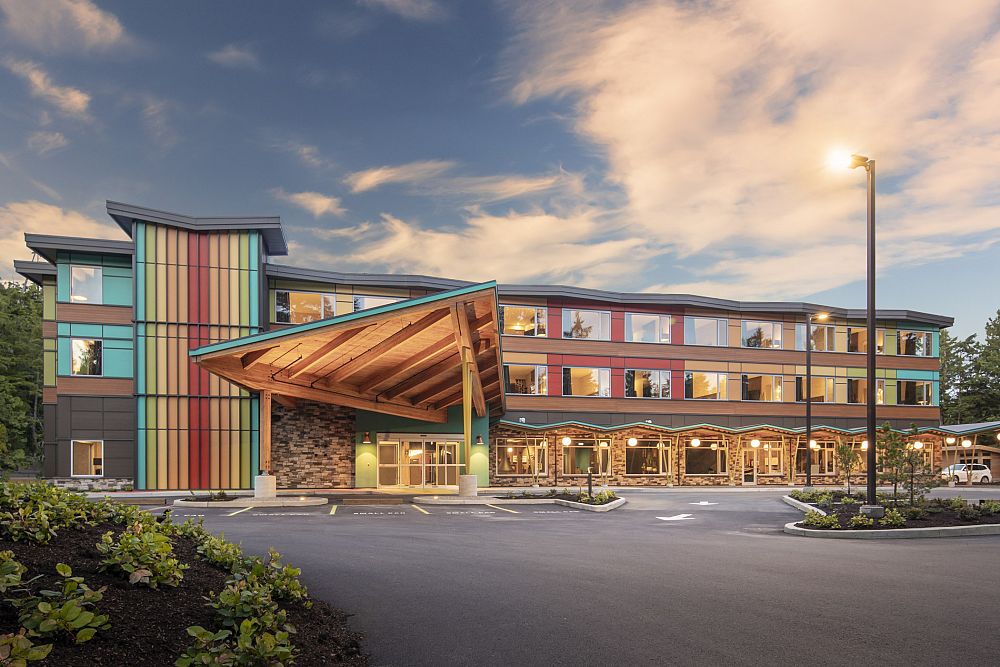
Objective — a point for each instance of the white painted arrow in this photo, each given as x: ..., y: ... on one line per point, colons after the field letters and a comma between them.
x: 676, y: 517
x: 703, y: 502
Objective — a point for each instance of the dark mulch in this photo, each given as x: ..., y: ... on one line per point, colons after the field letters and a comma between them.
x: 548, y: 496
x: 148, y: 626
x: 937, y: 518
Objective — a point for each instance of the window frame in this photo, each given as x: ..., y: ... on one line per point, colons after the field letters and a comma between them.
x: 72, y: 362
x: 929, y: 384
x: 601, y: 373
x: 769, y: 447
x: 879, y: 391
x: 664, y: 325
x: 541, y: 316
x: 879, y: 336
x: 829, y: 450
x: 723, y: 384
x: 538, y: 375
x: 574, y: 444
x: 830, y: 386
x: 537, y: 444
x: 928, y: 336
x: 721, y: 331
x: 605, y: 318
x: 721, y: 450
x: 665, y: 459
x: 831, y: 338
x: 777, y: 380
x: 775, y: 327
x: 660, y: 373
x: 323, y: 296
x: 99, y: 277
x: 72, y: 458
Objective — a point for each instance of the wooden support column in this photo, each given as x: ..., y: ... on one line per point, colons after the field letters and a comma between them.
x: 265, y: 431
x: 467, y: 361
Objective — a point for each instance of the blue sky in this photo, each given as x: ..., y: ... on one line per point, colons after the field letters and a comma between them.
x: 634, y: 146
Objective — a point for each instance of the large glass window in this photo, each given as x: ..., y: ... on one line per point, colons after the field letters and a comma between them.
x: 87, y: 458
x: 915, y: 343
x: 521, y: 457
x: 707, y: 458
x: 914, y: 392
x: 647, y: 457
x: 526, y: 379
x: 586, y: 381
x: 771, y: 458
x: 761, y: 387
x: 581, y: 456
x: 823, y: 459
x: 300, y: 307
x: 857, y: 340
x: 87, y: 357
x: 700, y: 385
x: 706, y: 331
x: 761, y: 334
x: 85, y: 284
x: 361, y: 302
x: 822, y: 390
x: 523, y: 320
x: 857, y: 390
x: 647, y: 384
x: 822, y: 337
x: 590, y: 324
x: 641, y: 328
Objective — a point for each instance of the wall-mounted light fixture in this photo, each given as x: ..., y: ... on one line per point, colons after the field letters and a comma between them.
x: 367, y: 440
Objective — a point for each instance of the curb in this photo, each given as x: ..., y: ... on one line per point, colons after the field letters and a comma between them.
x: 801, y: 506
x: 252, y: 502
x: 487, y: 500
x: 895, y: 533
x: 607, y: 507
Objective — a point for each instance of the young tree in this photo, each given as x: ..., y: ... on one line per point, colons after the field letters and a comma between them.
x: 892, y: 451
x: 918, y: 473
x: 847, y: 460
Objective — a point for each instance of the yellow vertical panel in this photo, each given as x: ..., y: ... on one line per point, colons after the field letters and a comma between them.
x: 161, y: 459
x: 234, y: 459
x: 161, y: 365
x: 182, y: 294
x: 223, y: 297
x: 183, y: 239
x: 213, y: 384
x: 171, y: 292
x: 211, y: 291
x: 234, y: 297
x: 213, y: 250
x: 223, y: 250
x: 213, y: 458
x: 161, y: 292
x: 183, y: 411
x: 161, y: 245
x: 171, y: 256
x: 172, y: 459
x: 183, y: 448
x: 213, y: 414
x: 171, y: 364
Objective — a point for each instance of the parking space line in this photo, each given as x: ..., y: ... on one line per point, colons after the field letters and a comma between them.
x: 502, y: 509
x: 242, y: 510
x: 333, y: 510
x: 419, y: 509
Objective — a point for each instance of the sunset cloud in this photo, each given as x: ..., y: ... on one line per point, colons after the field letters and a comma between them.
x: 62, y: 25
x: 68, y: 100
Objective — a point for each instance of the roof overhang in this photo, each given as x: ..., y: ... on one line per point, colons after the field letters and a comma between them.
x: 126, y: 215
x: 48, y: 246
x: 403, y: 359
x: 796, y: 431
x: 36, y: 272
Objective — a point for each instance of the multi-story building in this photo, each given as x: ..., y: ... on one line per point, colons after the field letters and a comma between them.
x: 163, y: 354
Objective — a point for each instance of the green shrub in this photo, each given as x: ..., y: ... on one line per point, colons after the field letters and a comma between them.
x: 848, y: 500
x: 219, y: 552
x: 259, y: 645
x: 604, y: 497
x: 806, y: 496
x: 17, y: 650
x: 955, y: 503
x: 893, y: 519
x: 861, y: 521
x: 283, y: 579
x: 969, y: 513
x: 144, y: 554
x: 247, y: 597
x: 28, y: 522
x: 816, y: 520
x: 67, y: 611
x: 916, y: 513
x: 10, y: 572
x: 209, y: 648
x: 824, y: 499
x: 990, y: 507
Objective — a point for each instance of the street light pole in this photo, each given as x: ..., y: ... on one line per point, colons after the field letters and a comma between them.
x: 869, y: 165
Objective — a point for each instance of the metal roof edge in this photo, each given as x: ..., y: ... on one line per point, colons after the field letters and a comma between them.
x: 47, y: 245
x: 34, y: 271
x: 351, y: 278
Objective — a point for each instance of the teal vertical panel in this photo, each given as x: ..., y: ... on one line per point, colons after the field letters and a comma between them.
x: 936, y: 388
x: 117, y: 363
x: 64, y: 356
x: 141, y: 444
x: 62, y: 282
x: 140, y: 372
x: 117, y: 291
x: 62, y: 329
x: 936, y: 344
x: 254, y: 298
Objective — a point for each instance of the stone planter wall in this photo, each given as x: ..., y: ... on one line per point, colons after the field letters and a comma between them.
x: 93, y: 483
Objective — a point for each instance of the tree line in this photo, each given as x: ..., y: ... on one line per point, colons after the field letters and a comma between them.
x: 20, y: 373
x: 970, y: 376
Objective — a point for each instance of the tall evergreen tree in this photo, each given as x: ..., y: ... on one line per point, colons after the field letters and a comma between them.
x: 21, y: 366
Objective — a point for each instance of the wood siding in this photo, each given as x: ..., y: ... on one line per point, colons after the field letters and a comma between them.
x: 91, y: 386
x: 78, y: 312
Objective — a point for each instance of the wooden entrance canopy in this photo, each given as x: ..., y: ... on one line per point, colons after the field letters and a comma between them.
x: 403, y: 359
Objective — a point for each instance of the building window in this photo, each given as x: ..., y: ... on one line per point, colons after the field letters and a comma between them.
x: 526, y: 379
x: 85, y: 284
x: 640, y: 328
x: 586, y: 455
x: 523, y: 320
x: 647, y: 457
x: 586, y: 381
x: 822, y: 337
x: 914, y: 392
x: 708, y: 458
x: 590, y: 324
x: 822, y: 390
x: 857, y: 391
x: 771, y: 458
x: 519, y: 457
x: 915, y: 343
x: 823, y: 459
x: 761, y: 387
x: 87, y: 458
x: 761, y: 334
x: 857, y: 340
x: 706, y: 331
x: 360, y: 302
x: 301, y: 307
x: 86, y: 357
x: 698, y: 385
x: 647, y: 384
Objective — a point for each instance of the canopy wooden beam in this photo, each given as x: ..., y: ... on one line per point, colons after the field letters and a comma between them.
x: 463, y: 337
x: 251, y: 358
x: 286, y: 401
x: 323, y: 352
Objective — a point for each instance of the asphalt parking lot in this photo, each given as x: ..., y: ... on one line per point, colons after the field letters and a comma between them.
x: 682, y: 577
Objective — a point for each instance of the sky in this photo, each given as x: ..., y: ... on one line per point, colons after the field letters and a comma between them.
x: 676, y: 147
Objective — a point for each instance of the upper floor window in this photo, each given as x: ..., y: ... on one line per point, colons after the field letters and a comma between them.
x: 706, y: 331
x: 647, y: 384
x: 586, y: 381
x: 914, y: 392
x: 360, y: 302
x: 87, y: 357
x: 761, y: 387
x: 857, y: 340
x: 85, y: 284
x: 857, y: 390
x: 641, y: 328
x: 822, y: 390
x: 526, y: 379
x: 915, y: 343
x: 761, y: 334
x: 822, y: 337
x: 698, y: 385
x: 523, y: 320
x: 301, y: 307
x: 592, y: 324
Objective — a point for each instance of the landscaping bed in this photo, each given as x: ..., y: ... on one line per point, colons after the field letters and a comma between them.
x: 842, y: 512
x: 186, y: 582
x: 599, y: 498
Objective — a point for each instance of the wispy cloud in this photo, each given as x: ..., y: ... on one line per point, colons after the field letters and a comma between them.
x: 412, y: 172
x: 315, y: 203
x: 63, y: 25
x: 43, y: 143
x: 236, y: 56
x: 353, y: 233
x: 413, y: 10
x: 68, y: 100
x: 307, y: 154
x: 156, y: 117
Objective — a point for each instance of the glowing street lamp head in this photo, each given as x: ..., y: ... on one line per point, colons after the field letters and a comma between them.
x: 841, y: 159
x: 567, y: 441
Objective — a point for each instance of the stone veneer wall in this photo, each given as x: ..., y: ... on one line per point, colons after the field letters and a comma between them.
x: 312, y: 446
x: 93, y: 483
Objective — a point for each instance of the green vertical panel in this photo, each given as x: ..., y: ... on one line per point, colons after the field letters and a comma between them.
x: 890, y: 342
x: 245, y: 459
x: 62, y: 282
x: 936, y: 344
x: 890, y: 391
x: 936, y: 399
x: 49, y: 368
x: 244, y: 251
x: 245, y: 298
x: 48, y: 301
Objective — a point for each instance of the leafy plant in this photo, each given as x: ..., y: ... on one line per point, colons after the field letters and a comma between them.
x: 30, y: 521
x: 847, y: 460
x: 17, y: 650
x: 144, y: 554
x: 990, y: 507
x: 861, y: 521
x: 69, y: 610
x: 893, y: 519
x: 916, y: 513
x: 283, y: 579
x: 258, y: 645
x: 209, y: 648
x: 10, y: 571
x: 219, y: 552
x: 814, y: 519
x: 969, y: 513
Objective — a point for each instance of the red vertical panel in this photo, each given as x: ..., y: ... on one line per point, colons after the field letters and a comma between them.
x: 555, y: 380
x: 618, y: 383
x: 555, y: 323
x: 677, y: 385
x: 677, y: 329
x: 617, y: 326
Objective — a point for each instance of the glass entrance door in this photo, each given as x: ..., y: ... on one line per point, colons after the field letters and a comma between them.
x: 418, y: 461
x: 750, y: 466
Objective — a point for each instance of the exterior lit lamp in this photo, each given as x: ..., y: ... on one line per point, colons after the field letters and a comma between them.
x: 813, y: 444
x: 367, y: 439
x: 714, y: 446
x: 854, y: 161
x: 567, y: 441
x: 810, y: 318
x: 632, y: 442
x: 755, y: 443
x: 479, y: 439
x: 695, y: 442
x: 864, y: 445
